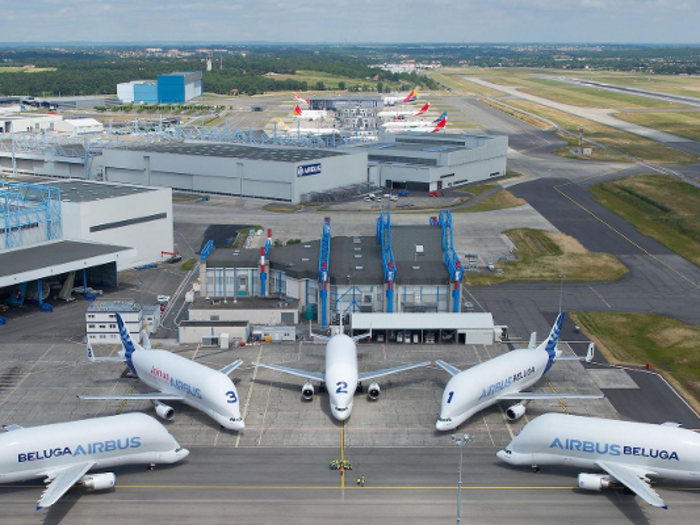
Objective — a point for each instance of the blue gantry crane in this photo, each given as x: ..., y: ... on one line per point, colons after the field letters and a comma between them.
x: 452, y: 262
x: 324, y: 262
x: 388, y: 264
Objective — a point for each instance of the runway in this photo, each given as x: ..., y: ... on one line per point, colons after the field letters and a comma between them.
x: 403, y: 485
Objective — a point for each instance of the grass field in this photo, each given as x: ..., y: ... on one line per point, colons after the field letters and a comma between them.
x: 681, y: 124
x: 660, y: 206
x: 534, y: 122
x: 545, y: 256
x: 26, y: 69
x: 498, y: 201
x: 637, y: 339
x: 599, y: 98
x: 674, y: 84
x: 312, y: 77
x: 628, y: 143
x: 452, y: 79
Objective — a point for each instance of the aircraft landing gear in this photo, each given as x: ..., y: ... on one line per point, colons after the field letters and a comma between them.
x: 535, y: 469
x: 151, y: 466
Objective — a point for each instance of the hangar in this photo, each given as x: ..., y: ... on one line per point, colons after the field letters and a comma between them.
x: 277, y: 173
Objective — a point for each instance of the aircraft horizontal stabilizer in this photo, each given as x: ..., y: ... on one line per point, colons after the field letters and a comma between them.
x: 230, y: 368
x: 10, y: 428
x: 293, y: 371
x: 91, y: 356
x: 388, y: 371
x: 60, y: 481
x: 587, y: 358
x: 635, y: 480
x: 159, y: 396
x: 448, y: 367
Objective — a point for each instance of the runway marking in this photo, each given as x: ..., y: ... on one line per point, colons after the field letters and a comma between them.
x: 262, y: 423
x: 646, y: 252
x: 566, y: 410
x: 123, y: 403
x: 250, y: 394
x: 599, y: 296
x: 26, y: 375
x: 342, y: 453
x: 330, y: 487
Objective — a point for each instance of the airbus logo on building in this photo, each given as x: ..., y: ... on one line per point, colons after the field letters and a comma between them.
x: 309, y: 169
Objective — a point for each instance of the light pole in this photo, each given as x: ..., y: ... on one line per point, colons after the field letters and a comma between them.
x: 461, y: 441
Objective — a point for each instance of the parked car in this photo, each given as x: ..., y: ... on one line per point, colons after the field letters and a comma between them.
x: 399, y: 337
x: 174, y: 259
x: 416, y: 337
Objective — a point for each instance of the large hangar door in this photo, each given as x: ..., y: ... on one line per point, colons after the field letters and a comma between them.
x: 177, y: 181
x: 266, y: 189
x: 226, y: 185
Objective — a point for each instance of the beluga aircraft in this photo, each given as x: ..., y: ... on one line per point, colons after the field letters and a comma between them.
x: 341, y: 378
x: 63, y: 453
x: 503, y: 378
x: 627, y: 452
x: 176, y: 378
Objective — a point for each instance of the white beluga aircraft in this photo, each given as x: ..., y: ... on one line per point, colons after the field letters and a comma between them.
x: 177, y: 379
x: 627, y: 452
x: 503, y: 378
x: 64, y: 453
x: 341, y: 377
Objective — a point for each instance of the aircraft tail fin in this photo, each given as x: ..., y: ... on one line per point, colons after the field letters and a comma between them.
x: 297, y: 111
x: 550, y: 344
x: 441, y: 123
x: 422, y: 110
x: 146, y: 341
x: 281, y: 125
x: 90, y: 353
x: 130, y: 346
x: 413, y: 95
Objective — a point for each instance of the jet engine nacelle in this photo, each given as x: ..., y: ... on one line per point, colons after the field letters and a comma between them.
x: 165, y: 412
x: 595, y: 482
x: 373, y: 391
x: 515, y: 412
x: 307, y: 391
x: 98, y: 481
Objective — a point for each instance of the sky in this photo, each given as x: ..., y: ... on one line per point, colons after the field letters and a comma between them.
x: 329, y: 21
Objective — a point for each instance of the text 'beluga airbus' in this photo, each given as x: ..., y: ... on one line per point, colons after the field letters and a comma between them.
x: 341, y: 377
x: 627, y: 452
x: 503, y: 378
x: 63, y: 453
x: 177, y: 379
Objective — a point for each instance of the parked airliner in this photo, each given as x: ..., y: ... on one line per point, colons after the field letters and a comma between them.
x: 63, y: 453
x: 177, y: 379
x: 416, y: 125
x: 341, y: 377
x: 401, y: 99
x: 300, y: 100
x: 503, y: 378
x: 309, y: 114
x: 404, y: 112
x: 627, y: 452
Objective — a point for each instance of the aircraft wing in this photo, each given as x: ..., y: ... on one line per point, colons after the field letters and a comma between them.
x: 635, y: 480
x: 532, y: 395
x: 230, y: 368
x: 301, y: 373
x: 387, y: 371
x: 60, y: 480
x: 10, y: 428
x: 447, y: 367
x: 153, y: 395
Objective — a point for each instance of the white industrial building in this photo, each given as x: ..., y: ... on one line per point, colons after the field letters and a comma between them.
x: 133, y: 216
x: 435, y: 161
x: 79, y: 126
x: 279, y: 173
x: 26, y: 122
x: 101, y: 321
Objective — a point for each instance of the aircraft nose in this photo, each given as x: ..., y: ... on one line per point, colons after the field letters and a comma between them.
x: 182, y: 454
x: 501, y: 454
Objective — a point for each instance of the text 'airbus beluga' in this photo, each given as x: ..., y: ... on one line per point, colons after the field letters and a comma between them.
x: 341, y: 377
x: 177, y: 379
x: 503, y: 378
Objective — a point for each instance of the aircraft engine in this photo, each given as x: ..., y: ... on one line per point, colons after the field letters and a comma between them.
x: 307, y: 391
x: 98, y: 481
x: 164, y: 411
x: 515, y: 412
x: 595, y: 482
x: 373, y: 391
